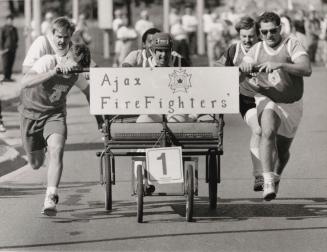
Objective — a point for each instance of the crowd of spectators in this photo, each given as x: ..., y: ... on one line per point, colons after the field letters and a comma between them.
x: 309, y: 26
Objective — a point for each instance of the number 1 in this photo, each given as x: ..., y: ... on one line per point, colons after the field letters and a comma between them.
x: 163, y: 160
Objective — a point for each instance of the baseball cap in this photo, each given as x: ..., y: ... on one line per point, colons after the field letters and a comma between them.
x: 161, y: 41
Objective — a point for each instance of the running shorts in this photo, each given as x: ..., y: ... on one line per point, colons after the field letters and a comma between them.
x: 36, y: 132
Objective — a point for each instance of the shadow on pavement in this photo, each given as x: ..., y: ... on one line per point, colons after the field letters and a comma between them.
x: 84, y: 146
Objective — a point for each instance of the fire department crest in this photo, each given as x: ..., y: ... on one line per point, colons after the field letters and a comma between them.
x: 180, y: 81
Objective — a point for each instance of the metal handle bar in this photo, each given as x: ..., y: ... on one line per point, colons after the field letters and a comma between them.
x: 77, y: 70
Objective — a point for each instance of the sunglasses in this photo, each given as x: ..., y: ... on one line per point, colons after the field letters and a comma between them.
x: 272, y: 31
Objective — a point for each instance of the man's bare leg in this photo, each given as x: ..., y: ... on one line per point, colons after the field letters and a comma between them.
x: 251, y: 119
x: 270, y: 123
x: 56, y: 145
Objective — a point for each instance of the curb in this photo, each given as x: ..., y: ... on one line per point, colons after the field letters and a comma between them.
x: 10, y: 159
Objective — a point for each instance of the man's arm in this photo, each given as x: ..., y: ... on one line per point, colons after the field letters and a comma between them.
x: 33, y: 78
x: 301, y: 66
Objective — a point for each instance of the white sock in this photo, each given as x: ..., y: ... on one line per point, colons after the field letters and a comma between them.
x: 268, y: 177
x: 276, y: 177
x: 52, y: 190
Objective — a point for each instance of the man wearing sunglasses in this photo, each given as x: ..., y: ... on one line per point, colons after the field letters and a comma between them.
x: 282, y: 62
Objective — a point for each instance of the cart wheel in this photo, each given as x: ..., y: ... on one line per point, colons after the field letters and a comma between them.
x: 189, y: 190
x: 212, y: 177
x: 140, y: 193
x: 108, y: 185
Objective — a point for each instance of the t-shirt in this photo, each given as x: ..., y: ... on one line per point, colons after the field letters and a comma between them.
x: 50, y: 96
x: 285, y: 87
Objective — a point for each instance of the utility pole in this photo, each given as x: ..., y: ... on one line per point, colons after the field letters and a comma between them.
x: 75, y: 10
x: 28, y: 20
x: 105, y: 12
x: 166, y: 15
x: 37, y: 17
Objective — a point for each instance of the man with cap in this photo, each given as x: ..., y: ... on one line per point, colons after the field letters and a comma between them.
x: 163, y: 56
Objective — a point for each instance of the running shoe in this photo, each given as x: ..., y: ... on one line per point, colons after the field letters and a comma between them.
x: 49, y: 207
x: 149, y: 189
x: 269, y: 191
x: 2, y: 127
x: 258, y: 184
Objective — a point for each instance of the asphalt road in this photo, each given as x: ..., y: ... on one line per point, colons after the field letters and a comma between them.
x: 295, y: 221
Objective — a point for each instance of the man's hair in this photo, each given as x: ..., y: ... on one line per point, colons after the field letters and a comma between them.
x: 61, y: 23
x: 148, y: 32
x: 267, y: 17
x: 246, y: 23
x: 82, y: 51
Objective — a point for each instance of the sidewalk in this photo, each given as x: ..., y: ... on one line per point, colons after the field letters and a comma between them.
x: 10, y: 158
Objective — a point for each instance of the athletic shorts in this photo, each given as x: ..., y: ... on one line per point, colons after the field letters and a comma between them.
x: 36, y: 132
x: 289, y: 113
x: 246, y: 103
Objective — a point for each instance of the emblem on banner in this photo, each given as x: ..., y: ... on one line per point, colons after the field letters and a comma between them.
x: 180, y: 81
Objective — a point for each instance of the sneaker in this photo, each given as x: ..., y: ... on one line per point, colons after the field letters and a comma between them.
x: 149, y: 189
x: 258, y: 184
x: 2, y: 127
x: 49, y: 207
x: 269, y: 191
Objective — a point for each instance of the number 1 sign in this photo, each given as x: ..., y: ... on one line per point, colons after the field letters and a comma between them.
x: 165, y: 165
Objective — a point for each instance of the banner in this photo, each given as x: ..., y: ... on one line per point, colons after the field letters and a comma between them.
x: 166, y: 90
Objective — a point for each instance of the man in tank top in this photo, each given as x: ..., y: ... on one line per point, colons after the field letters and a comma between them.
x: 248, y: 32
x: 43, y: 113
x: 282, y: 63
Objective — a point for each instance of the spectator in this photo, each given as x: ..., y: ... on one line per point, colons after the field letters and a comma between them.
x: 46, y: 24
x: 127, y: 37
x: 190, y: 24
x: 119, y: 15
x: 323, y: 39
x: 207, y: 22
x: 143, y: 24
x: 216, y: 39
x: 118, y: 19
x: 279, y: 100
x: 300, y: 34
x: 312, y: 30
x: 9, y: 44
x: 81, y: 34
x: 173, y: 16
x: 180, y: 44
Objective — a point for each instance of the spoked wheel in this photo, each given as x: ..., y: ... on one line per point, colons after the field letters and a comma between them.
x: 212, y: 179
x: 140, y: 194
x: 189, y: 190
x: 108, y: 185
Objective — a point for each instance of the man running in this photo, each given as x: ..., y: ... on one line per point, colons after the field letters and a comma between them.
x: 279, y: 102
x: 248, y: 32
x: 43, y: 114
